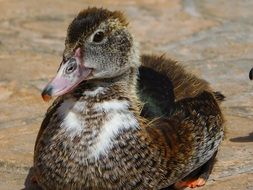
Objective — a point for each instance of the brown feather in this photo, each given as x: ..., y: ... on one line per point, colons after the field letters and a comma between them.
x: 88, y: 19
x: 185, y: 84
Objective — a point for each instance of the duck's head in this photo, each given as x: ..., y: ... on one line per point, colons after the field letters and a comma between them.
x: 98, y: 46
x: 251, y: 74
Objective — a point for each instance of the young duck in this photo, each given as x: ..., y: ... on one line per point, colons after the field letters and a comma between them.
x: 121, y: 121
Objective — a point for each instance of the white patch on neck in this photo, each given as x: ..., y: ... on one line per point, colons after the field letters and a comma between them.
x: 80, y: 106
x: 117, y: 123
x: 72, y: 124
x: 93, y: 93
x: 70, y: 121
x: 112, y: 105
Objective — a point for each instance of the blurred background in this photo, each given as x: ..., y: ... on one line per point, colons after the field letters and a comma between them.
x: 213, y: 39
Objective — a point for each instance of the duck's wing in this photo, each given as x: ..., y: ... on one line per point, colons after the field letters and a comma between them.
x: 162, y: 82
x: 185, y: 84
x: 50, y: 111
x: 190, y: 136
x: 189, y: 125
x: 155, y: 90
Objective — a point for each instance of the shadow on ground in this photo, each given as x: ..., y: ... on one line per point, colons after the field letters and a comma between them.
x: 248, y: 138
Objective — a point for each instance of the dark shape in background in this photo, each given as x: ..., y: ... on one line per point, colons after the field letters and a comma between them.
x: 251, y: 74
x: 248, y: 138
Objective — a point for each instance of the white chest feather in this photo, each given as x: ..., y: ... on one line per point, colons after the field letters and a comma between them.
x: 112, y: 106
x: 72, y: 124
x: 71, y: 121
x: 119, y: 118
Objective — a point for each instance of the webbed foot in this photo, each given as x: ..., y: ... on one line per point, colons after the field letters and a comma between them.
x: 191, y: 183
x: 198, y: 177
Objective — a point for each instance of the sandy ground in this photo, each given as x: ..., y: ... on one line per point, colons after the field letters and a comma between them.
x: 213, y: 39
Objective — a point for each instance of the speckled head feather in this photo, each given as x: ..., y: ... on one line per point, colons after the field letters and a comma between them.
x: 98, y: 46
x: 88, y: 19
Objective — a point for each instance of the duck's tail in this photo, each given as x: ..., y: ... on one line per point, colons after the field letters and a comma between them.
x: 219, y: 96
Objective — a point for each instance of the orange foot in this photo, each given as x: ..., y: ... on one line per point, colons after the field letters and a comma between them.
x: 191, y: 183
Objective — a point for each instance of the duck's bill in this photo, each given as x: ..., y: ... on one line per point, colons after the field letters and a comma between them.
x: 69, y: 75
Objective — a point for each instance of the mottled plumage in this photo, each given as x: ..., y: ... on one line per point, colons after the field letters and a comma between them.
x: 121, y: 121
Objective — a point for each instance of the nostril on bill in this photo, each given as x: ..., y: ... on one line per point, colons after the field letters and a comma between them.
x: 48, y: 90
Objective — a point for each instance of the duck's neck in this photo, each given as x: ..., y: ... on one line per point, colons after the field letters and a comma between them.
x: 103, y: 111
x: 119, y: 87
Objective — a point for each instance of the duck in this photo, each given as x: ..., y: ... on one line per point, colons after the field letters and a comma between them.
x: 122, y: 120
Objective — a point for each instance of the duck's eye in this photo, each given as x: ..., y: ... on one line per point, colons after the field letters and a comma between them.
x: 71, y: 67
x: 98, y: 37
